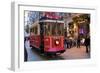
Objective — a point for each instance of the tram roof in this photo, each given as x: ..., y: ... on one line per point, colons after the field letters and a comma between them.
x: 55, y: 21
x: 46, y: 20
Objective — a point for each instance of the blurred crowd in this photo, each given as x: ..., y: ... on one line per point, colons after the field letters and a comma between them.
x: 70, y: 42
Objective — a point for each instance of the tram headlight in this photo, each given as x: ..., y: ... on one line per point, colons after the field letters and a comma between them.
x: 57, y: 42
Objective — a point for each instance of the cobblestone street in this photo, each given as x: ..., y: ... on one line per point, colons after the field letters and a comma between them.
x: 75, y: 53
x: 72, y: 53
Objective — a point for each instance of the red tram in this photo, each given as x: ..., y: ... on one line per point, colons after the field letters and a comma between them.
x: 47, y: 36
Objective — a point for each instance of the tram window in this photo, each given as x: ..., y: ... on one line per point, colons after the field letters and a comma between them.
x: 57, y: 29
x: 61, y: 28
x: 31, y: 30
x: 35, y: 30
x: 52, y: 28
x: 47, y: 28
x: 44, y: 29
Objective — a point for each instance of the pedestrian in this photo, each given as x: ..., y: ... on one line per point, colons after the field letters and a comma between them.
x: 65, y: 43
x: 25, y: 54
x: 78, y: 42
x: 70, y: 43
x: 26, y: 45
x: 87, y: 43
x: 82, y: 41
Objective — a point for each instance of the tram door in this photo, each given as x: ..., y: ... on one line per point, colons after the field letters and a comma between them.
x: 42, y: 37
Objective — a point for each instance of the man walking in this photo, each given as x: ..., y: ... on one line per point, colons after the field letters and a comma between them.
x: 87, y: 43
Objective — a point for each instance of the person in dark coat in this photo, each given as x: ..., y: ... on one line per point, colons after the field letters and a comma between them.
x: 78, y: 42
x: 65, y: 42
x: 87, y: 44
x: 25, y: 51
x: 25, y: 54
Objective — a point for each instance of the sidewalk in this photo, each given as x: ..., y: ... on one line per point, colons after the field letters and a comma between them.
x: 75, y: 53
